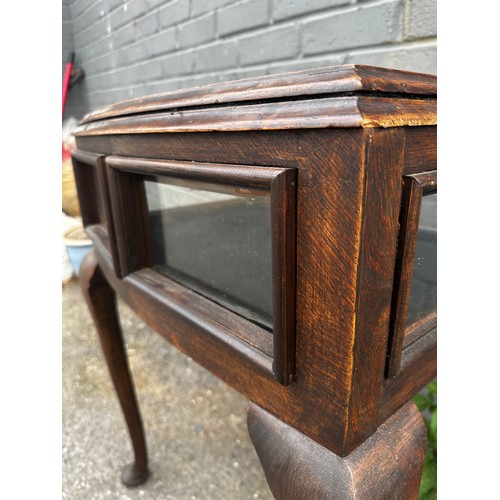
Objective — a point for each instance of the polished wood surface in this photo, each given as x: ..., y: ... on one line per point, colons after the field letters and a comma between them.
x: 101, y: 300
x: 318, y: 82
x: 349, y: 155
x: 387, y: 466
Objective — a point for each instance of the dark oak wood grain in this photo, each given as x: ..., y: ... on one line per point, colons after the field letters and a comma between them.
x: 131, y: 221
x: 101, y: 300
x: 349, y: 140
x: 414, y: 186
x: 387, y: 466
x: 377, y: 254
x: 310, y: 82
x: 335, y: 112
x: 418, y: 368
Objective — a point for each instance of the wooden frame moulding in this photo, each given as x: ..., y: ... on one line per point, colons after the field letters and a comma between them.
x: 130, y: 215
x: 401, y: 336
x: 93, y: 191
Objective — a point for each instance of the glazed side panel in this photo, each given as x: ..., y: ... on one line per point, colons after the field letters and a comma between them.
x: 329, y: 193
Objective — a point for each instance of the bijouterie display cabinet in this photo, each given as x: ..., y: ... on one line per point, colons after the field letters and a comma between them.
x: 280, y: 231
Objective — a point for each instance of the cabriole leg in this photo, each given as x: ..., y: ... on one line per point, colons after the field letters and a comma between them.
x: 101, y: 300
x: 387, y: 466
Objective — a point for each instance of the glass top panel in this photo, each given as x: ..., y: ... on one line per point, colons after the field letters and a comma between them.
x: 216, y: 240
x: 423, y: 292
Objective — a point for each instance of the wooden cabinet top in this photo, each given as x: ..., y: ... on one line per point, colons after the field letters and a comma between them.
x: 340, y: 96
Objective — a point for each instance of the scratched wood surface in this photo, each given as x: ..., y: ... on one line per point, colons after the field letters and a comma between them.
x: 387, y: 466
x: 350, y: 153
x: 301, y: 84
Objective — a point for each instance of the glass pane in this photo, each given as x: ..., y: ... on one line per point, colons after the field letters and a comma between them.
x: 216, y: 240
x: 423, y: 292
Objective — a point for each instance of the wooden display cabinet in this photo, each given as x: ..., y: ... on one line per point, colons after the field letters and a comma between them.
x: 277, y: 231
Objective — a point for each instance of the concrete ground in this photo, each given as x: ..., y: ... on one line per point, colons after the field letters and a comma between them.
x: 195, y: 425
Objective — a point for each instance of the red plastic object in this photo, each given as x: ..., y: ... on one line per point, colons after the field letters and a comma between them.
x: 67, y: 80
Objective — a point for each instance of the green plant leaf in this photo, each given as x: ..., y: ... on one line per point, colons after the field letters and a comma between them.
x: 432, y: 387
x: 430, y: 495
x: 421, y: 401
x: 429, y: 478
x: 432, y: 429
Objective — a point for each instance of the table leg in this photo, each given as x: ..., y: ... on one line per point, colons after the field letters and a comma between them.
x: 101, y: 300
x: 387, y: 466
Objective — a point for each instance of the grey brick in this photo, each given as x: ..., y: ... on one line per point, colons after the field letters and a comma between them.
x: 164, y: 86
x: 269, y: 45
x: 178, y: 64
x: 96, y: 83
x: 198, y: 31
x: 420, y: 19
x: 124, y: 36
x: 151, y: 4
x: 139, y: 73
x: 91, y: 16
x: 138, y: 90
x: 414, y: 57
x: 113, y: 4
x: 102, y: 98
x: 148, y: 71
x: 284, y: 9
x: 216, y: 56
x: 96, y: 49
x: 102, y: 64
x: 240, y: 74
x: 367, y: 25
x: 131, y: 54
x: 161, y: 43
x: 127, y: 12
x: 147, y: 26
x: 94, y: 32
x: 66, y: 12
x: 198, y: 81
x: 78, y: 7
x: 173, y: 13
x: 202, y: 6
x: 288, y: 66
x: 242, y: 16
x: 67, y: 35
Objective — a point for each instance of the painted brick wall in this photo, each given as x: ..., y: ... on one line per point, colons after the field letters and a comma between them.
x: 131, y: 48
